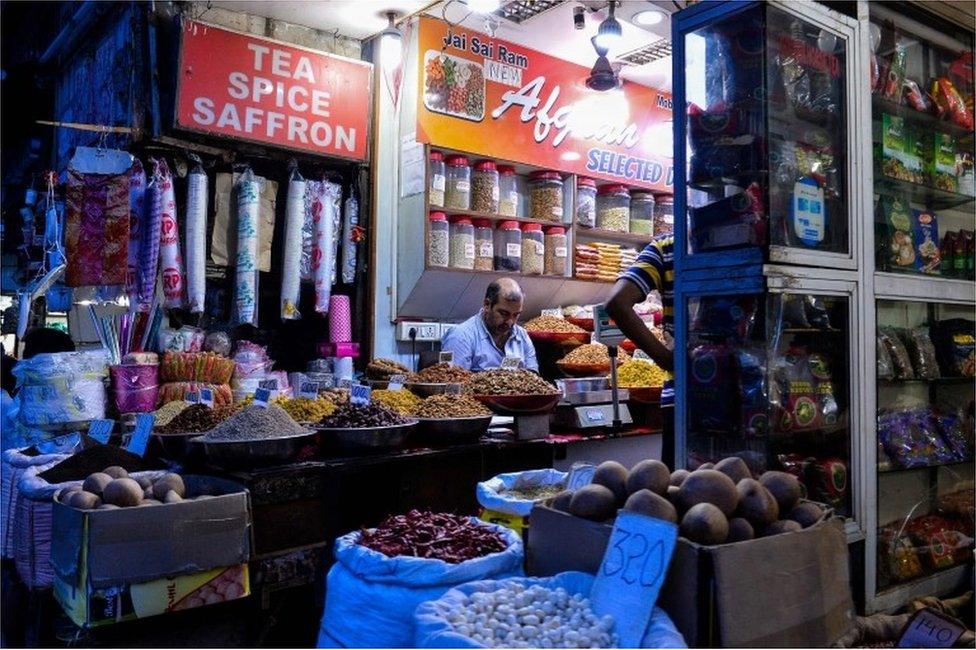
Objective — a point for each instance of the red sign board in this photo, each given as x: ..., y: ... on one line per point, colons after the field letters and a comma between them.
x: 252, y: 88
x: 491, y: 97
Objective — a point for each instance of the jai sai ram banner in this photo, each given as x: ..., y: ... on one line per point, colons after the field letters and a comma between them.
x: 490, y: 97
x: 251, y: 88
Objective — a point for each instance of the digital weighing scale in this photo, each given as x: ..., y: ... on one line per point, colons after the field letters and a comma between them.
x: 587, y: 403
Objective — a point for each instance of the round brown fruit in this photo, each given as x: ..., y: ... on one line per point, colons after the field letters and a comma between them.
x: 84, y: 500
x: 116, y: 472
x: 123, y: 492
x: 678, y: 477
x: 166, y: 483
x: 594, y: 502
x: 785, y: 488
x: 708, y: 486
x: 654, y: 505
x: 782, y: 526
x: 95, y: 483
x: 756, y: 504
x: 559, y: 502
x: 740, y: 530
x: 613, y: 476
x: 650, y: 475
x: 806, y: 514
x: 705, y: 524
x: 733, y: 467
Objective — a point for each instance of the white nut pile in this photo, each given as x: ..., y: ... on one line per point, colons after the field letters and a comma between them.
x: 531, y: 617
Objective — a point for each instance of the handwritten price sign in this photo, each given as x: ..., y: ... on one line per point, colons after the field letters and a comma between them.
x: 632, y: 572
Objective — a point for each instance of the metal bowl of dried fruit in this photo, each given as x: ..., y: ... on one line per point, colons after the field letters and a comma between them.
x: 365, y: 439
x: 423, y: 389
x: 519, y: 404
x: 560, y: 337
x: 447, y: 431
x: 252, y: 452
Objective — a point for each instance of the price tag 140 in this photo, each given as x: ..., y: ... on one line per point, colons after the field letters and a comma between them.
x: 261, y: 397
x: 632, y: 572
x: 359, y: 394
x: 140, y: 436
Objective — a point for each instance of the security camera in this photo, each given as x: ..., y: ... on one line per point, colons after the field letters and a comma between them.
x: 579, y: 17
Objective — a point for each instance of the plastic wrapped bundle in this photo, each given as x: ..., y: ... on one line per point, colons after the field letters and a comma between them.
x: 325, y: 205
x: 196, y: 238
x: 15, y: 463
x: 291, y: 273
x: 149, y: 247
x: 62, y: 388
x: 349, y: 222
x: 245, y: 297
x: 169, y: 243
x: 137, y: 196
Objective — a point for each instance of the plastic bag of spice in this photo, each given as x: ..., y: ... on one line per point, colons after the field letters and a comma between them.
x: 516, y: 492
x: 371, y: 597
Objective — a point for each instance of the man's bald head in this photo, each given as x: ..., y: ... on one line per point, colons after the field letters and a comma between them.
x: 503, y: 306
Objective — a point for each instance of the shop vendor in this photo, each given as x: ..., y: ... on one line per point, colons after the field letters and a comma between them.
x: 485, y: 339
x: 654, y: 269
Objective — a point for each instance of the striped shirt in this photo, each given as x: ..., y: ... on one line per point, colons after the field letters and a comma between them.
x: 654, y: 269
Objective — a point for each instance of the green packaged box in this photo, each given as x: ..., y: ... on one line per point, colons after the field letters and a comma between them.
x: 899, y: 150
x: 897, y: 247
x: 940, y: 161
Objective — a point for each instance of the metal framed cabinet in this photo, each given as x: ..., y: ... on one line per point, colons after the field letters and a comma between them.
x: 918, y: 305
x: 768, y: 148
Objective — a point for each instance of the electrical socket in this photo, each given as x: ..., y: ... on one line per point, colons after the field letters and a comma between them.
x: 446, y: 327
x: 425, y: 331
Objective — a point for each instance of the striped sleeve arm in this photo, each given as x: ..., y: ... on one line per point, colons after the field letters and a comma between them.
x: 647, y: 272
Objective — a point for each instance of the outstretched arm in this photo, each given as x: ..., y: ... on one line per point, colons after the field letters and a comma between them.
x: 620, y: 306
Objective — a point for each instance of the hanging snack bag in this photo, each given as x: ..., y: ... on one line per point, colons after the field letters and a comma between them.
x: 955, y: 345
x: 895, y: 78
x: 921, y: 352
x: 827, y: 481
x: 803, y: 392
x: 885, y: 367
x: 898, y: 245
x: 137, y: 196
x: 169, y: 244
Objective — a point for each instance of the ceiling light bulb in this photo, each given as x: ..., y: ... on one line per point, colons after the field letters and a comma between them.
x: 647, y: 18
x: 608, y: 34
x: 391, y: 44
x: 483, y: 6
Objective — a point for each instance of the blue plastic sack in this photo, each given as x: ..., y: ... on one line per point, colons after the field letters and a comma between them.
x: 491, y: 492
x: 370, y: 598
x: 433, y: 631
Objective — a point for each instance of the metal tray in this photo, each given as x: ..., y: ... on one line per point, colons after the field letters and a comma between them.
x: 453, y: 430
x: 519, y: 404
x: 367, y: 438
x: 176, y: 446
x: 240, y: 454
x: 426, y: 390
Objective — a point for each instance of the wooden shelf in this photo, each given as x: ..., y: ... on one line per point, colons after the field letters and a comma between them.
x: 928, y: 120
x: 931, y: 197
x: 609, y: 235
x: 496, y: 218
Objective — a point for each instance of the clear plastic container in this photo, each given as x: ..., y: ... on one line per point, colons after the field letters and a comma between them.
x: 586, y: 203
x: 613, y: 208
x: 546, y: 193
x: 508, y: 247
x: 436, y: 179
x: 457, y: 191
x: 642, y: 213
x: 557, y: 251
x: 484, y: 187
x: 484, y: 245
x: 437, y: 240
x: 533, y: 249
x: 664, y: 215
x: 509, y: 196
x: 462, y: 243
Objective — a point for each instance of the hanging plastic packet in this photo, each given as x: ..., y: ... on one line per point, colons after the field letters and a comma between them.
x: 149, y: 240
x: 137, y: 197
x: 308, y: 233
x: 350, y: 224
x: 291, y: 275
x: 336, y: 198
x: 245, y: 296
x: 169, y: 243
x: 196, y: 237
x: 325, y: 202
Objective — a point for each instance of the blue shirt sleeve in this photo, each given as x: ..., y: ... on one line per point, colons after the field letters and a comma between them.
x: 529, y: 358
x: 459, y: 342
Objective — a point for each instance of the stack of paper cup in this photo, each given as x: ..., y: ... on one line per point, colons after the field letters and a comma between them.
x: 340, y: 319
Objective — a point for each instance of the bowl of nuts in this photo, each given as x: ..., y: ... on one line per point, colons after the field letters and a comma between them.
x: 552, y: 329
x: 513, y: 392
x: 588, y: 360
x: 368, y: 427
x: 448, y: 419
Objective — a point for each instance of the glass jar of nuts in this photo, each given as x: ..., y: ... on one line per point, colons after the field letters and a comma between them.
x: 533, y: 249
x: 436, y: 179
x: 437, y: 240
x: 484, y: 187
x: 484, y: 246
x: 457, y: 191
x: 546, y: 193
x: 613, y: 208
x: 556, y: 251
x: 508, y: 191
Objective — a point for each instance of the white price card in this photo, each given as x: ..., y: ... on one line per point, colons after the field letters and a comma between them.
x: 511, y: 363
x: 207, y: 397
x: 308, y: 389
x: 101, y: 430
x: 140, y: 436
x: 446, y: 356
x: 261, y: 397
x: 640, y: 354
x: 359, y: 394
x: 555, y: 313
x: 580, y: 474
x: 397, y: 382
x: 632, y: 572
x: 345, y: 383
x: 270, y: 384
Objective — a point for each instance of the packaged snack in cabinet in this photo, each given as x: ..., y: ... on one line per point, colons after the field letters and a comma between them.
x: 735, y: 221
x: 733, y: 378
x: 898, y: 561
x: 925, y: 235
x: 827, y: 481
x: 900, y: 361
x: 955, y: 346
x: 949, y: 104
x: 940, y: 161
x: 899, y: 157
x: 898, y: 246
x: 802, y: 392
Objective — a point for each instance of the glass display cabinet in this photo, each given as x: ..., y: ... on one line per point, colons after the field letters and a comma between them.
x: 919, y: 310
x: 765, y: 146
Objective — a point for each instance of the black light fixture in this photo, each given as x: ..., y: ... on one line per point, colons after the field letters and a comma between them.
x: 608, y: 33
x: 602, y: 76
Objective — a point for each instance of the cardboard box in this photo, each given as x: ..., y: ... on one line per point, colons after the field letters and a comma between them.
x: 97, y: 551
x: 104, y: 606
x: 789, y: 590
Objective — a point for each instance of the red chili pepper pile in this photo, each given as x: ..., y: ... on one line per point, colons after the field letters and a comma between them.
x: 432, y: 535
